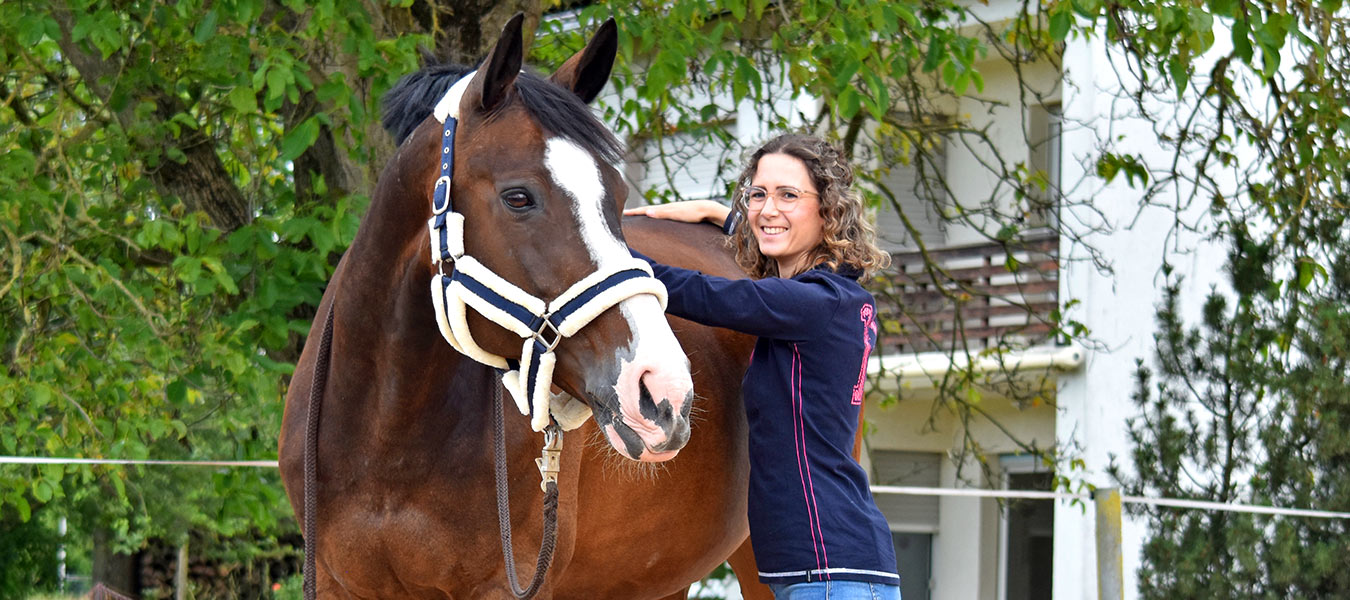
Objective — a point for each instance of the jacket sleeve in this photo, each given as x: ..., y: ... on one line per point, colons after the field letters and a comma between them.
x: 773, y: 307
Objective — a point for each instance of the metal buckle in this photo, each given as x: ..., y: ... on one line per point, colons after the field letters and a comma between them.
x: 550, y: 457
x: 539, y: 335
x: 439, y: 207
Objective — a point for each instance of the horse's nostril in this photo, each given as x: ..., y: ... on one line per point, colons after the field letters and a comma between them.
x: 677, y: 439
x: 663, y: 414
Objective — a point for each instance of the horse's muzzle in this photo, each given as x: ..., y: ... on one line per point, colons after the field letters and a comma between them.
x: 649, y: 430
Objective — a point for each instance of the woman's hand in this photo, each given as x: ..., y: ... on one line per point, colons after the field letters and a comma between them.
x: 689, y: 211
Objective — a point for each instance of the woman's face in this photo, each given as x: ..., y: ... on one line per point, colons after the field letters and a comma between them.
x: 783, y: 209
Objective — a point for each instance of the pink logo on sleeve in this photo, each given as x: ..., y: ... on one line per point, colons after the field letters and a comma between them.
x: 869, y: 322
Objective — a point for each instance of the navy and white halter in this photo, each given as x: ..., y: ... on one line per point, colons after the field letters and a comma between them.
x: 541, y: 324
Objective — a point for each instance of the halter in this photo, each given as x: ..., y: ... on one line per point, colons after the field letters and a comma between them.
x: 542, y: 325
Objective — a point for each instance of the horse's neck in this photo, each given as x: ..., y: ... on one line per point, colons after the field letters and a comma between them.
x: 400, y: 372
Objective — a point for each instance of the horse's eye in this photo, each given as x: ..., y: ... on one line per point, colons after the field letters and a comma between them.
x: 517, y: 199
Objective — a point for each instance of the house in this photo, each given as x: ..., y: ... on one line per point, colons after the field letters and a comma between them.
x: 1087, y: 253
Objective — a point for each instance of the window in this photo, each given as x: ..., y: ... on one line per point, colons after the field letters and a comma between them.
x: 913, y: 519
x: 1028, y: 533
x: 914, y: 563
x: 905, y: 183
x: 1045, y: 124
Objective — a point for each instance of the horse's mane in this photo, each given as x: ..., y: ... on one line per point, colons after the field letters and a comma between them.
x: 557, y: 110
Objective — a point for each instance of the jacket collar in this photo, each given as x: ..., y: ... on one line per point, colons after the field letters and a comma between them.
x: 843, y: 270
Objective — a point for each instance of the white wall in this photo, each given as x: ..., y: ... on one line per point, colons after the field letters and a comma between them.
x: 999, y: 110
x: 1118, y: 304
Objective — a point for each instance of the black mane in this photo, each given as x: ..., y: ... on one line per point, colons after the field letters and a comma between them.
x: 557, y: 110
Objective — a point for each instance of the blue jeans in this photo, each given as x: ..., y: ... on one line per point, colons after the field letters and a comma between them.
x: 835, y: 590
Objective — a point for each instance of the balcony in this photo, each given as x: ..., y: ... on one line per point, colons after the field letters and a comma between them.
x: 988, y: 295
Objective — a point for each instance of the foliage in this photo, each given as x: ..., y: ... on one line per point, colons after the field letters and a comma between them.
x: 166, y: 232
x: 1247, y: 97
x: 1250, y: 406
x: 30, y: 565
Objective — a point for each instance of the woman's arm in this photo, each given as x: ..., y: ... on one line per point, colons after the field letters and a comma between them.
x: 689, y: 211
x: 785, y: 309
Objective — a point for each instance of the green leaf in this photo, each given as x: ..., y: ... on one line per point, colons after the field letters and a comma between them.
x: 117, y: 476
x: 299, y: 139
x: 849, y: 103
x: 1242, y: 42
x: 25, y: 510
x: 1179, y: 69
x: 206, y: 27
x: 1305, y: 275
x: 225, y: 281
x: 176, y: 392
x: 243, y: 100
x: 738, y: 9
x: 41, y: 396
x: 1060, y: 20
x: 42, y: 491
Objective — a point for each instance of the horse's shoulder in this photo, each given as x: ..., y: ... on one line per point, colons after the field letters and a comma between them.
x: 698, y: 246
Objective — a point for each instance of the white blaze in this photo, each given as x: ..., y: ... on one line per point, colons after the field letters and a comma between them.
x: 576, y: 172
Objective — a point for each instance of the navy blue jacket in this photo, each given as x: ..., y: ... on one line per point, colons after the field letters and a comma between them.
x: 812, y: 516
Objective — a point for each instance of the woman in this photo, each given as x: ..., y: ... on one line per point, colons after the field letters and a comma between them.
x: 805, y: 242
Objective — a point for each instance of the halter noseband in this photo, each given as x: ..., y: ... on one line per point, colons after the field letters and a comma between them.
x: 541, y: 324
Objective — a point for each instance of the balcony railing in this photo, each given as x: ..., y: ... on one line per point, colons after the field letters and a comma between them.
x: 985, y: 294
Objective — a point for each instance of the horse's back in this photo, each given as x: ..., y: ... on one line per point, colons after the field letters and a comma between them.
x: 702, y: 247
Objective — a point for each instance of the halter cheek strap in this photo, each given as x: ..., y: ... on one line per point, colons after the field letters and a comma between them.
x: 541, y: 325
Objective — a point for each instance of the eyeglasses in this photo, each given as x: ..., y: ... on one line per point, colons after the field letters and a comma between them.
x: 784, y: 197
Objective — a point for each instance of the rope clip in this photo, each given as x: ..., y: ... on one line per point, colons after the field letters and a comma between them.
x: 550, y: 457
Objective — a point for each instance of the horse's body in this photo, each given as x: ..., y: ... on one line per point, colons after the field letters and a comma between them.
x: 405, y: 493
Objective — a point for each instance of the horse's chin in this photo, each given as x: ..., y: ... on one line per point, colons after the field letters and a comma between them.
x: 655, y: 457
x: 646, y: 455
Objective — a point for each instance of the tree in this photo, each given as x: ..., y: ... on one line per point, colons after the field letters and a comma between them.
x: 179, y: 181
x: 1250, y: 407
x: 1247, y: 99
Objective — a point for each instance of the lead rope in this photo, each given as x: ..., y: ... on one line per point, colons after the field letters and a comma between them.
x: 504, y: 507
x: 312, y: 449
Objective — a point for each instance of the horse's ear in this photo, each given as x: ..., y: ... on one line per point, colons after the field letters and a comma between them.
x: 501, y: 67
x: 587, y: 71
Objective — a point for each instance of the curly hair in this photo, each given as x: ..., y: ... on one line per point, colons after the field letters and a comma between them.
x: 847, y: 239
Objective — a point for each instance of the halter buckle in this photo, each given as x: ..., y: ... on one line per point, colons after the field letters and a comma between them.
x: 438, y: 206
x: 540, y: 335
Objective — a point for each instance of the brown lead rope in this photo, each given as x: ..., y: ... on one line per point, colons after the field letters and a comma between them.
x: 312, y: 449
x: 504, y: 507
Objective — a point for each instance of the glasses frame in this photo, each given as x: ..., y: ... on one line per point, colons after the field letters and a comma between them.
x: 777, y: 195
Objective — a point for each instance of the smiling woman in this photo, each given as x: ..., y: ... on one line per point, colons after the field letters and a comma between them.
x: 806, y: 242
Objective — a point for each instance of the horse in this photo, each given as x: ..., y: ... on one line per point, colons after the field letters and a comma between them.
x: 651, y: 500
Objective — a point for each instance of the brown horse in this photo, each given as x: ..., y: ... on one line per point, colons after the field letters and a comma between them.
x: 405, y: 495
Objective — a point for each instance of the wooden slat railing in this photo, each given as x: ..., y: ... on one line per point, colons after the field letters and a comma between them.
x: 983, y: 294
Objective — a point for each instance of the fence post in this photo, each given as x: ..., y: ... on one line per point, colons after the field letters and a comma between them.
x: 180, y: 579
x: 1110, y: 580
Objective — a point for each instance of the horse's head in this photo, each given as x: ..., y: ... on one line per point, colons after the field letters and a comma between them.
x: 533, y: 177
